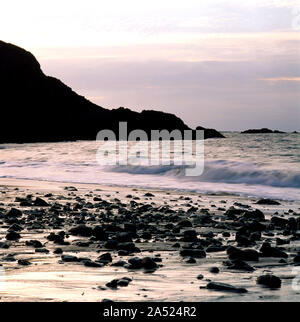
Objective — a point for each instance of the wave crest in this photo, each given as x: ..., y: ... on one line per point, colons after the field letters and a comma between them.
x: 225, y: 171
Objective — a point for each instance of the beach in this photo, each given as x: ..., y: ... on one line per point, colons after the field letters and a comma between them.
x: 91, y: 242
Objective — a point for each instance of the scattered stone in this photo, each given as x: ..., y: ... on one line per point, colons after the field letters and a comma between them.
x: 279, y: 222
x: 297, y: 259
x: 148, y: 194
x: 99, y: 233
x: 105, y: 258
x: 246, y: 254
x: 112, y: 284
x: 191, y: 260
x: 119, y: 263
x: 14, y: 213
x: 185, y: 223
x: 90, y: 263
x: 81, y: 230
x: 34, y: 243
x: 267, y: 202
x: 128, y: 246
x: 39, y: 202
x: 111, y: 244
x: 226, y: 234
x: 196, y: 253
x: 149, y: 263
x: 4, y: 245
x: 214, y: 249
x: 70, y: 188
x: 214, y: 270
x: 268, y: 251
x: 225, y: 287
x: 12, y: 235
x: 122, y: 282
x: 69, y: 258
x: 238, y: 264
x: 23, y: 262
x: 42, y: 250
x: 8, y: 258
x: 15, y: 227
x: 135, y: 263
x: 256, y: 214
x: 269, y: 280
x: 124, y: 237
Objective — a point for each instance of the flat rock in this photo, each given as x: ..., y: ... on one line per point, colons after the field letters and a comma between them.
x: 225, y: 287
x: 267, y: 202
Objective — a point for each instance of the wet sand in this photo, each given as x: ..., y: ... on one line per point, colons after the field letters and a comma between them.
x: 158, y: 227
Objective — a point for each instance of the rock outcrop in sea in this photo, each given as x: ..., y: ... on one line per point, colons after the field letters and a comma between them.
x: 261, y: 131
x: 39, y: 108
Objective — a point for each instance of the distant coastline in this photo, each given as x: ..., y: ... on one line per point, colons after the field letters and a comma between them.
x: 263, y: 131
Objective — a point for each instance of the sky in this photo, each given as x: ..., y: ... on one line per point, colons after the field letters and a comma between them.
x: 229, y: 65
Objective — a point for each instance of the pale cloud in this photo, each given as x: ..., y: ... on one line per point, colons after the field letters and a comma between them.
x: 281, y: 79
x: 37, y: 24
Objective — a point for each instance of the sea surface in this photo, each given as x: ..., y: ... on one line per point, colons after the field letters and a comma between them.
x: 262, y: 165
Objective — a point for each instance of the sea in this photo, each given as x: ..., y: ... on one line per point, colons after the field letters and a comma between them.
x: 251, y: 165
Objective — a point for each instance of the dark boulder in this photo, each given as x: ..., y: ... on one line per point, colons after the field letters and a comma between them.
x: 124, y: 237
x: 255, y: 214
x: 196, y: 253
x: 185, y: 223
x: 39, y: 202
x: 279, y: 222
x: 24, y: 262
x: 269, y: 280
x: 189, y: 235
x: 69, y: 258
x: 42, y: 250
x: 238, y: 264
x: 34, y: 243
x: 81, y: 230
x: 99, y: 233
x: 13, y: 236
x: 105, y: 258
x: 14, y: 213
x: 4, y: 245
x: 149, y: 263
x: 127, y: 246
x: 268, y: 251
x: 111, y: 244
x: 135, y: 263
x: 214, y: 270
x: 242, y: 254
x: 268, y: 202
x: 90, y: 263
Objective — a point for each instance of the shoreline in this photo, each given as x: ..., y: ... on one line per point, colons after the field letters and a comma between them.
x: 172, y: 229
x: 57, y: 185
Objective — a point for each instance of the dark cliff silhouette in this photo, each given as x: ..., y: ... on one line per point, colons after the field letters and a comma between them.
x: 40, y: 108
